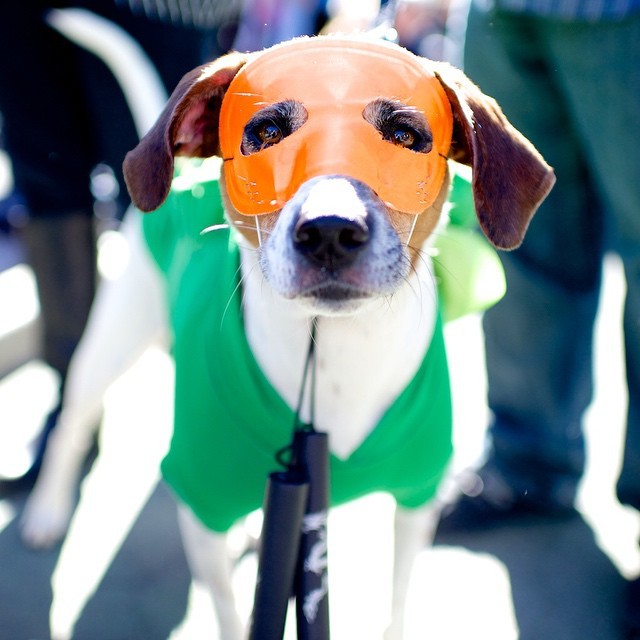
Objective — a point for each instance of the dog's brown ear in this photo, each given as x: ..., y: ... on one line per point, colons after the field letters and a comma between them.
x: 510, y: 178
x: 187, y: 126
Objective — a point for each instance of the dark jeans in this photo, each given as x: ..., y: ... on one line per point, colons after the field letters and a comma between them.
x: 574, y: 90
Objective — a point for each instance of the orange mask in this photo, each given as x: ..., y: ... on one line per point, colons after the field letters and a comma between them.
x: 334, y: 79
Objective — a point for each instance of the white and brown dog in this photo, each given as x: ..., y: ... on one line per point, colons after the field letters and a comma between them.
x: 335, y: 154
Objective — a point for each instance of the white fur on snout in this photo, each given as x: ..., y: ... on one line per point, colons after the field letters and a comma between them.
x: 333, y: 196
x: 378, y: 269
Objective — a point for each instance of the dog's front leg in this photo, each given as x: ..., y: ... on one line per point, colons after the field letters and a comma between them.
x: 414, y: 530
x: 50, y: 505
x: 209, y: 560
x: 127, y: 316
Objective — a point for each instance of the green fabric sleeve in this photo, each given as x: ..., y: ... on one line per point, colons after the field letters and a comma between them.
x: 468, y: 270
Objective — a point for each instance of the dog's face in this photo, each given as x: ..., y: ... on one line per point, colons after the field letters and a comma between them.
x: 336, y: 176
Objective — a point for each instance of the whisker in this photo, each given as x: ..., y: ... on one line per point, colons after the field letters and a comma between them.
x: 214, y: 227
x: 407, y: 279
x: 388, y: 299
x: 226, y: 308
x: 424, y: 256
x: 242, y: 223
x: 236, y: 223
x: 235, y: 290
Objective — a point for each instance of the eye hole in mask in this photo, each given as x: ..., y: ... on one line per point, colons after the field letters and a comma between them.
x: 272, y: 125
x: 397, y: 123
x: 400, y: 124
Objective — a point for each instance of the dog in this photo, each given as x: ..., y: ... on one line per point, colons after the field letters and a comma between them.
x: 335, y: 155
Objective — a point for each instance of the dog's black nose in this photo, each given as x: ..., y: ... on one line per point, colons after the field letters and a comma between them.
x: 331, y: 241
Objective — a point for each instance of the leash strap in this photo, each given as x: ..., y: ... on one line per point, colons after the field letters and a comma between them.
x: 287, y: 456
x: 309, y: 369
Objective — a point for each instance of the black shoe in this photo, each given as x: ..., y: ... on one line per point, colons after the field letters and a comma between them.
x: 487, y: 501
x: 33, y: 454
x: 40, y: 445
x: 631, y: 621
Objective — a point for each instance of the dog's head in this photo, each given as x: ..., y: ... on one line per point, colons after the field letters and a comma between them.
x: 335, y: 160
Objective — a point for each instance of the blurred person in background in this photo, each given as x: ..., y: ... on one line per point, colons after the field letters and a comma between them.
x: 566, y: 74
x: 63, y: 116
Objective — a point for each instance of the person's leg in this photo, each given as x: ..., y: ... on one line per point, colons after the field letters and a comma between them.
x: 603, y: 89
x: 49, y: 138
x: 603, y: 83
x: 61, y: 251
x: 539, y: 337
x: 629, y: 480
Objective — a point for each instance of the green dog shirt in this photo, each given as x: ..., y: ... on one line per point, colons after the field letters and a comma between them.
x: 229, y: 421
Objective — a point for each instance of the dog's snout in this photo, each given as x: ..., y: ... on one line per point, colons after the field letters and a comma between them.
x: 331, y: 241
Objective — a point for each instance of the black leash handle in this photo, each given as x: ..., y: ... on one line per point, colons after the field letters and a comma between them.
x: 312, y: 580
x: 284, y: 506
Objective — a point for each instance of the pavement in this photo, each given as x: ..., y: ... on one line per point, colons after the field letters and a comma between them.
x: 121, y: 573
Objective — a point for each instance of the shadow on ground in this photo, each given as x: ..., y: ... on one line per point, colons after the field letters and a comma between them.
x: 143, y: 595
x: 563, y: 586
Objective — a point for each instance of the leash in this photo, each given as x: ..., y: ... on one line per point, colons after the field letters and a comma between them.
x: 309, y: 370
x: 293, y: 545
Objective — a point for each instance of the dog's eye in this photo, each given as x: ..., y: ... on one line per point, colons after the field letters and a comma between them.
x: 271, y: 125
x: 400, y: 124
x: 267, y: 134
x: 404, y: 138
x: 403, y: 135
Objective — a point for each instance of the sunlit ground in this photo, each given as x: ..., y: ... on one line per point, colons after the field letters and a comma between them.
x: 135, y: 434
